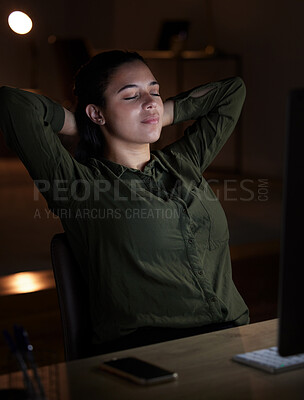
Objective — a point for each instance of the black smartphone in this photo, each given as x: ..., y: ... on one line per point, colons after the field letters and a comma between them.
x: 138, y: 371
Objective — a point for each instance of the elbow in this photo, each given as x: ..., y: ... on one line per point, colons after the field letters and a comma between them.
x: 240, y: 88
x: 6, y: 96
x: 5, y: 91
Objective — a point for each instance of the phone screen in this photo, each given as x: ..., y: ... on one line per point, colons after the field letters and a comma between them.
x: 138, y: 370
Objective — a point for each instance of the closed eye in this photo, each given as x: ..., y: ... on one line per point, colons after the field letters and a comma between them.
x: 136, y: 96
x: 130, y: 98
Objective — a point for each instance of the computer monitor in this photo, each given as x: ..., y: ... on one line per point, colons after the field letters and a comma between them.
x: 291, y: 288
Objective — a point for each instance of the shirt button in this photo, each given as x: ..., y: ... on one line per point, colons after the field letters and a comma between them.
x: 190, y: 241
x: 200, y: 272
x: 184, y: 210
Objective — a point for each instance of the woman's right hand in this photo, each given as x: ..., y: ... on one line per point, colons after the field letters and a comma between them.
x: 68, y: 134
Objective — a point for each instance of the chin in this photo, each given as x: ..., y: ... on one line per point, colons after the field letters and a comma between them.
x: 154, y: 139
x: 154, y: 136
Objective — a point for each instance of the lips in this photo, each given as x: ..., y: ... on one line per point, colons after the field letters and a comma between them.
x: 151, y: 119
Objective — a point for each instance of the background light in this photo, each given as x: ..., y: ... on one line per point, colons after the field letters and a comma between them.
x: 26, y: 282
x: 19, y: 22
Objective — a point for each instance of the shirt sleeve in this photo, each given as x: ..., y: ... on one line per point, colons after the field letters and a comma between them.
x: 215, y: 113
x: 29, y: 123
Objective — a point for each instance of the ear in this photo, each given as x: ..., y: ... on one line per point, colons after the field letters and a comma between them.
x: 95, y: 114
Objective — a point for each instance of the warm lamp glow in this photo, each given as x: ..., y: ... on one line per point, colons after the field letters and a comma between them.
x: 25, y: 282
x: 19, y: 22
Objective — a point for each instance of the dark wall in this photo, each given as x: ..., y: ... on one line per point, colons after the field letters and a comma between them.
x: 267, y: 34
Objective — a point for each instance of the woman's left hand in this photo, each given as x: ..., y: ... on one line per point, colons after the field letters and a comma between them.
x: 168, y: 112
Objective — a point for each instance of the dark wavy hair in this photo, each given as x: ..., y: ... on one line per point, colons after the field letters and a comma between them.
x: 90, y: 84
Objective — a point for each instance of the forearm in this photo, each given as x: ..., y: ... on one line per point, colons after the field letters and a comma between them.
x: 215, y: 108
x: 223, y: 99
x: 30, y: 124
x: 21, y: 111
x: 168, y: 117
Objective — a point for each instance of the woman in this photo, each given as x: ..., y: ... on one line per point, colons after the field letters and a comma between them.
x: 150, y: 236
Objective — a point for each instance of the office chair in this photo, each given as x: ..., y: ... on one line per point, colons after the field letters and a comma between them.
x: 73, y: 298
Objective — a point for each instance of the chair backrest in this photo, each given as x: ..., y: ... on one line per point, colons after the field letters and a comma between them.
x: 73, y: 300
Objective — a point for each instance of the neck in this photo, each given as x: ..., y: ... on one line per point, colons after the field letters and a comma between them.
x: 135, y: 157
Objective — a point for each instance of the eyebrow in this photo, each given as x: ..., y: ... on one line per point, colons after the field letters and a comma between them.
x: 153, y: 83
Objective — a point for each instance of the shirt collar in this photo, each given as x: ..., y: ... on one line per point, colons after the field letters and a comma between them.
x: 154, y: 160
x: 159, y: 161
x: 119, y: 169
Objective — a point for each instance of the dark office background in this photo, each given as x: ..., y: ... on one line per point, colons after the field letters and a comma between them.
x: 268, y: 35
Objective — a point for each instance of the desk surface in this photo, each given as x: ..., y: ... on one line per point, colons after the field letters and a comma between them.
x: 204, y: 366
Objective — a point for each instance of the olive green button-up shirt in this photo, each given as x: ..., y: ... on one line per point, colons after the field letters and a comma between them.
x: 153, y: 245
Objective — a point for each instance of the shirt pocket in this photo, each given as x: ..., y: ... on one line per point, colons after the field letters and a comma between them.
x: 218, y: 226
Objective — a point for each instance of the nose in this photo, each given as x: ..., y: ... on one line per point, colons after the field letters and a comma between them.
x: 149, y: 102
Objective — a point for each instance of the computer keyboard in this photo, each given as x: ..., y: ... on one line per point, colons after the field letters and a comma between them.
x: 269, y: 360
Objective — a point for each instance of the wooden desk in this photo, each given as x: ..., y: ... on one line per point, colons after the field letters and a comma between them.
x: 204, y: 366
